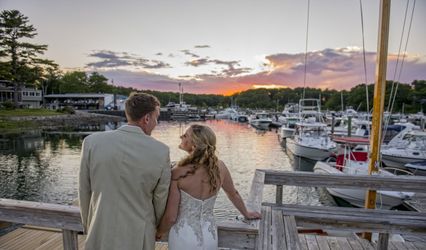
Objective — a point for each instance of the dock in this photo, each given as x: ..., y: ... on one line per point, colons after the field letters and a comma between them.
x: 283, y: 226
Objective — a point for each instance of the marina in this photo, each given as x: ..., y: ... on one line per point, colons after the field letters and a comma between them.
x: 292, y: 166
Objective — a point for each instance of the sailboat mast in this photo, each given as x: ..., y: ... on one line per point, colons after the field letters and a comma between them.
x: 379, y: 96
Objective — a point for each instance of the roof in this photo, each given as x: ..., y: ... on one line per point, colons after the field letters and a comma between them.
x: 77, y: 95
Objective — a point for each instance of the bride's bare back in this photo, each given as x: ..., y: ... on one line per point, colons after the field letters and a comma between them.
x: 197, y: 183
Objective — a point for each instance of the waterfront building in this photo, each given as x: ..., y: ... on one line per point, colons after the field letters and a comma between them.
x: 86, y: 101
x: 29, y: 97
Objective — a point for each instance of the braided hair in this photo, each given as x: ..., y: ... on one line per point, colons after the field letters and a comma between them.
x: 204, y: 154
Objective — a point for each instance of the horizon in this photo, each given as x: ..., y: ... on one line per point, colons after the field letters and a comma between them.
x: 225, y: 47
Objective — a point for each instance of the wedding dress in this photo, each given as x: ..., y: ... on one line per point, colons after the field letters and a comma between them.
x: 195, y: 227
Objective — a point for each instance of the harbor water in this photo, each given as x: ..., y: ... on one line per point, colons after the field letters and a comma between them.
x: 42, y: 165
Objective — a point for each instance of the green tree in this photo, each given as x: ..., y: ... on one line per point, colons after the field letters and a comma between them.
x: 20, y: 59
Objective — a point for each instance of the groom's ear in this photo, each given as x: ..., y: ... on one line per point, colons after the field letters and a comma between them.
x: 145, y: 119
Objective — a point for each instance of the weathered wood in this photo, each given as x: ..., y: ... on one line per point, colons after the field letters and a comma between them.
x: 265, y: 240
x: 254, y: 201
x: 407, y: 222
x: 383, y: 241
x: 308, y: 179
x: 278, y: 230
x: 70, y: 240
x: 303, y: 242
x: 41, y: 214
x: 322, y: 243
x: 236, y: 235
x: 292, y: 238
x: 366, y: 244
x: 311, y: 241
x: 343, y: 243
x: 279, y: 194
x: 332, y: 242
x: 355, y: 244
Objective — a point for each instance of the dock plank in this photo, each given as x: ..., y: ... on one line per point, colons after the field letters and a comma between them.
x: 303, y: 243
x: 332, y: 242
x: 343, y: 243
x: 311, y: 241
x: 410, y: 245
x: 420, y: 245
x: 322, y: 243
x: 278, y: 230
x: 355, y: 244
x: 39, y: 239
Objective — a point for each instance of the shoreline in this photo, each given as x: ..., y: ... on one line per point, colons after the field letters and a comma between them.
x: 22, y: 123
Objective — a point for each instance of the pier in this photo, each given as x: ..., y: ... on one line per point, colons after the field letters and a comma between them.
x: 283, y: 226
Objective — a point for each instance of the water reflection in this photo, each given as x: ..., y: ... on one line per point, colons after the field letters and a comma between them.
x: 43, y: 165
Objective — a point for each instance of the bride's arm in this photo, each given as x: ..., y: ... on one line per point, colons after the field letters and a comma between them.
x: 172, y: 207
x: 234, y: 196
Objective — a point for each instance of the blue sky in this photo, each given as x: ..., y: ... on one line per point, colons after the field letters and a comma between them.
x: 224, y: 46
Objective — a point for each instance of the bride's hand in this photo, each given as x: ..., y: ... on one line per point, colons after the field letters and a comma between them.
x: 252, y: 215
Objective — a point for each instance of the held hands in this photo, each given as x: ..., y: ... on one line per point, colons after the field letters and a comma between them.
x: 158, y: 235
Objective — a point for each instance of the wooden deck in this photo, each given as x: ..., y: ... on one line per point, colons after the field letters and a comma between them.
x: 38, y: 238
x: 418, y: 202
x: 283, y: 226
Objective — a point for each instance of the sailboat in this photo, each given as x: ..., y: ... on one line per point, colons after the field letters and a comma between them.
x: 374, y: 160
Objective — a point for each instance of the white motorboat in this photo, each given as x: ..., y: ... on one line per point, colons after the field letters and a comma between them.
x: 226, y: 113
x: 288, y: 127
x: 410, y: 148
x: 355, y: 162
x: 261, y: 120
x: 311, y: 139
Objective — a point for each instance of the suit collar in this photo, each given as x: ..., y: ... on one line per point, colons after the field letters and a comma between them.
x: 131, y: 129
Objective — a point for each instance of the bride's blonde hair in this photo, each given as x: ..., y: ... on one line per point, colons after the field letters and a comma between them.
x: 204, y: 153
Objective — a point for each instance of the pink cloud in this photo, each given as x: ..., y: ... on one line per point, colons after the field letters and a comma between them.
x: 340, y: 68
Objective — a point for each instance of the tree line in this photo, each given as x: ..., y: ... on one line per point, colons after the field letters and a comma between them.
x: 20, y: 64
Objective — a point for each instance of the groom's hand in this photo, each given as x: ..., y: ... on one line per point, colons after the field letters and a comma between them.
x: 158, y: 236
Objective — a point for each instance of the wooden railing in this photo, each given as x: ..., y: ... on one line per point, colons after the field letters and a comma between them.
x: 245, y: 235
x: 232, y: 234
x: 62, y: 217
x: 353, y: 219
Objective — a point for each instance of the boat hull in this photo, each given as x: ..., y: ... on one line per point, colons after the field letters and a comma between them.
x: 307, y: 152
x: 397, y: 161
x: 287, y: 132
x: 356, y: 197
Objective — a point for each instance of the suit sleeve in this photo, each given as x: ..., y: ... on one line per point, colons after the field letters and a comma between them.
x: 84, y: 189
x: 161, y: 191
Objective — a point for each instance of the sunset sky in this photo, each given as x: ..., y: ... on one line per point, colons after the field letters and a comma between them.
x: 223, y: 46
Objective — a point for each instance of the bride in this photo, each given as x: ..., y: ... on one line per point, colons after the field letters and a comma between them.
x: 195, y: 183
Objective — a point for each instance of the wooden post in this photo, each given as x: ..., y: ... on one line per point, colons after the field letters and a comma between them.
x: 383, y: 241
x: 279, y: 194
x: 379, y: 98
x: 70, y: 240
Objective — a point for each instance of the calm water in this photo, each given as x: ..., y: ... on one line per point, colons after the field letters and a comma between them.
x: 43, y: 165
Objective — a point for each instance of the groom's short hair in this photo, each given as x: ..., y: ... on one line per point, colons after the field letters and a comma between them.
x: 139, y: 104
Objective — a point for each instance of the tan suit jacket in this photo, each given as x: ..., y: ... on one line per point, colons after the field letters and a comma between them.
x: 124, y: 181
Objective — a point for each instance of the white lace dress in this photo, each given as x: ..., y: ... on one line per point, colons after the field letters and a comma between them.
x: 195, y: 227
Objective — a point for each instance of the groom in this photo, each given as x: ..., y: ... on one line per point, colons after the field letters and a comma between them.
x: 124, y: 180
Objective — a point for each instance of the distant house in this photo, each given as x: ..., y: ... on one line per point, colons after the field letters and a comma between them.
x: 85, y: 101
x: 29, y: 98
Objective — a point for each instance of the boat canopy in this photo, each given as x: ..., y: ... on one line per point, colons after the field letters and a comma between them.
x: 351, y: 140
